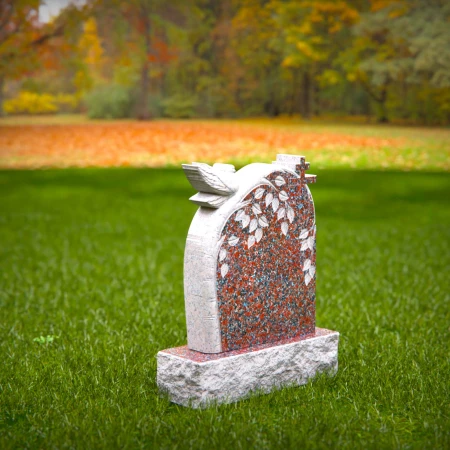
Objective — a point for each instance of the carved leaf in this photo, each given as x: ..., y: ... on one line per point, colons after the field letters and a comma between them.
x: 304, y: 245
x: 279, y: 180
x: 245, y: 220
x: 290, y: 214
x: 283, y: 196
x: 221, y: 240
x: 240, y: 214
x: 251, y: 241
x: 307, y: 265
x: 224, y: 270
x: 259, y: 193
x: 256, y: 209
x: 275, y: 204
x: 258, y: 234
x: 253, y: 225
x: 285, y: 228
x: 303, y: 234
x: 311, y: 242
x: 312, y: 271
x: 263, y: 221
x: 281, y: 213
x: 269, y: 198
x: 222, y: 254
x: 307, y: 279
x: 233, y: 240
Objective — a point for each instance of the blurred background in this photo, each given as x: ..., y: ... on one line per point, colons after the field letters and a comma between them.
x: 380, y: 60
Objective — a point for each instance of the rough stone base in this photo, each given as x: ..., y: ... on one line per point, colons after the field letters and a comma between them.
x: 197, y: 379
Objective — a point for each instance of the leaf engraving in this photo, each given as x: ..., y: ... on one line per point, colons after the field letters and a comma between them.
x: 303, y: 234
x: 279, y: 180
x: 233, y: 240
x: 285, y: 228
x: 275, y: 204
x: 307, y: 265
x: 290, y: 214
x: 253, y: 225
x: 269, y: 198
x: 240, y: 214
x: 245, y: 221
x: 259, y: 193
x: 283, y: 196
x: 311, y: 242
x: 281, y: 213
x: 256, y: 209
x: 224, y: 270
x: 312, y: 271
x: 251, y: 241
x: 263, y: 221
x: 222, y: 254
x: 258, y: 234
x: 304, y: 245
x: 307, y: 279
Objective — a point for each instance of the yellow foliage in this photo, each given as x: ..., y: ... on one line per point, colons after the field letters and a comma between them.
x: 308, y: 51
x: 90, y: 43
x: 92, y: 55
x: 289, y: 61
x: 31, y: 103
x: 328, y: 78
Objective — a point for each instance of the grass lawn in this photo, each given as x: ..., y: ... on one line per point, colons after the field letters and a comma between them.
x: 95, y: 257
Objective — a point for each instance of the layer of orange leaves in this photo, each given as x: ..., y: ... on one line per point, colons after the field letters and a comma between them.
x: 162, y: 143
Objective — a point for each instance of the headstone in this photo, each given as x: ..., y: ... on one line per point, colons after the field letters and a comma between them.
x: 249, y: 286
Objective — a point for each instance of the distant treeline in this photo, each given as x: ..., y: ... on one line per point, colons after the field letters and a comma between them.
x: 230, y: 58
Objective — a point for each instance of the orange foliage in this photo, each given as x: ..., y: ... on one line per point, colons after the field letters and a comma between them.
x: 161, y: 52
x: 161, y: 143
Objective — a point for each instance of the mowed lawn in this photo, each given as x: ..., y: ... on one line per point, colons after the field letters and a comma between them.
x: 74, y: 141
x: 94, y: 257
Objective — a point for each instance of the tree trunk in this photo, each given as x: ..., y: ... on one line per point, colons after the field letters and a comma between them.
x: 2, y: 86
x: 293, y: 99
x: 306, y: 96
x: 143, y: 109
x: 317, y: 106
x: 380, y: 99
x: 383, y: 118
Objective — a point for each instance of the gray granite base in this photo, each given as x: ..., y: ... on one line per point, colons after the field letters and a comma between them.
x: 198, y: 380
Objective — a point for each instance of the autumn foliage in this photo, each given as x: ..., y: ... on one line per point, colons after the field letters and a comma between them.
x: 167, y: 142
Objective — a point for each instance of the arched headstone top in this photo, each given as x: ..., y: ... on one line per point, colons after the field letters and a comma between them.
x: 249, y: 274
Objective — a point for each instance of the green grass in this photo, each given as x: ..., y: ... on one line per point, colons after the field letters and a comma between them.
x: 93, y: 259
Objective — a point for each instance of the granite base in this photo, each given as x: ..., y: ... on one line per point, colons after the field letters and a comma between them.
x: 198, y: 380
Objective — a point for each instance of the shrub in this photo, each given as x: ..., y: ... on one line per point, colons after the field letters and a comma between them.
x: 155, y: 105
x: 33, y: 103
x: 179, y: 106
x: 66, y: 102
x: 30, y: 103
x: 109, y: 102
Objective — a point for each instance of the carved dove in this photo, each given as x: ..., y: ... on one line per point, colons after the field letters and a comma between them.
x: 215, y: 184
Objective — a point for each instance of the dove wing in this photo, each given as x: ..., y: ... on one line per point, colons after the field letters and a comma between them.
x: 204, y: 178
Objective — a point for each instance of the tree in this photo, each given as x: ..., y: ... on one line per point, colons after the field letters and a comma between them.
x: 90, y: 58
x: 146, y: 26
x: 401, y: 42
x: 25, y: 43
x: 310, y: 38
x: 254, y: 40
